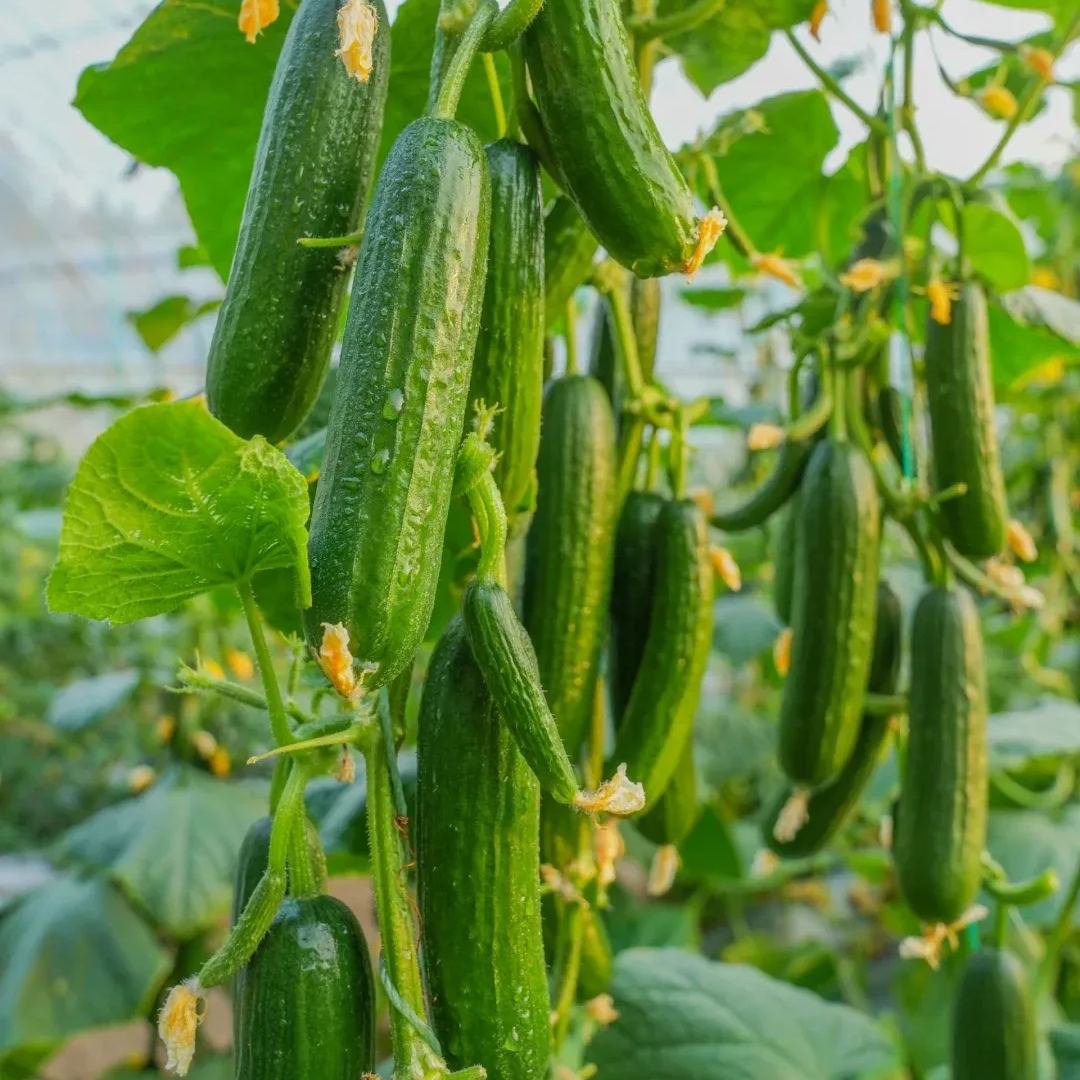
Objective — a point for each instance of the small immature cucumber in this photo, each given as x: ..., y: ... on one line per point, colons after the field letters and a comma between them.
x: 570, y: 549
x: 307, y: 1004
x: 659, y: 716
x: 504, y: 653
x: 384, y: 492
x: 832, y: 620
x: 478, y: 853
x: 604, y: 140
x: 509, y: 359
x: 830, y: 806
x: 941, y: 820
x: 993, y: 1031
x: 314, y: 163
x: 569, y: 250
x: 960, y: 394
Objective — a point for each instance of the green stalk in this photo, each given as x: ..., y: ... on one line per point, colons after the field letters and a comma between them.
x: 647, y: 28
x: 275, y: 705
x: 1055, y: 940
x: 570, y: 969
x: 193, y: 680
x: 510, y: 23
x: 457, y: 70
x: 495, y: 91
x: 570, y: 336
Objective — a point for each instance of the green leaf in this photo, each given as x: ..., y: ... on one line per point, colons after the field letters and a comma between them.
x: 169, y: 503
x: 1010, y: 71
x: 74, y: 956
x: 683, y: 1016
x: 204, y: 129
x: 159, y: 324
x: 713, y: 299
x: 1061, y: 11
x: 172, y: 849
x: 994, y: 246
x: 1045, y: 732
x: 1046, y: 309
x: 1017, y: 349
x: 80, y: 703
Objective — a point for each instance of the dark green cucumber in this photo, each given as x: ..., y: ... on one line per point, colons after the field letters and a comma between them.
x: 603, y: 137
x: 656, y: 725
x: 784, y: 557
x: 570, y: 549
x: 313, y: 166
x: 941, y: 820
x: 384, y: 492
x: 833, y: 606
x: 505, y: 655
x: 777, y: 489
x: 478, y: 819
x: 960, y: 395
x: 308, y: 999
x: 830, y: 806
x: 993, y: 1030
x: 678, y: 809
x: 569, y: 250
x: 509, y: 359
x: 645, y: 313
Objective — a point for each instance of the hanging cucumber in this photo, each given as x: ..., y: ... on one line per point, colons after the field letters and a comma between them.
x: 569, y: 250
x: 833, y: 609
x: 993, y: 1030
x: 479, y: 875
x: 960, y: 395
x: 314, y: 163
x: 570, y: 549
x: 829, y: 807
x: 659, y: 715
x: 384, y: 492
x: 509, y: 358
x: 307, y: 1004
x: 604, y: 140
x: 941, y: 820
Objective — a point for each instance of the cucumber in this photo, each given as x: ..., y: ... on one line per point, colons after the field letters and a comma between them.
x: 993, y: 1030
x: 830, y: 806
x: 569, y: 250
x: 313, y: 166
x: 833, y: 607
x: 604, y: 140
x: 678, y: 809
x: 960, y: 395
x: 941, y: 821
x: 478, y: 817
x: 509, y: 358
x: 778, y: 488
x: 570, y: 549
x: 383, y: 496
x: 645, y: 313
x: 656, y: 725
x: 784, y: 557
x: 307, y: 1006
x: 505, y: 655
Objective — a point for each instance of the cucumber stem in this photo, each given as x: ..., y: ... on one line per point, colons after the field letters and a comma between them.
x: 494, y: 90
x: 570, y: 336
x: 510, y: 23
x: 275, y: 704
x: 646, y: 28
x: 191, y: 679
x: 572, y: 933
x: 838, y: 421
x: 457, y: 70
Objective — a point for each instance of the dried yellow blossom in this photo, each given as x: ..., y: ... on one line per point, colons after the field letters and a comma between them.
x: 220, y: 762
x: 777, y: 267
x: 810, y: 891
x: 240, y: 664
x: 205, y: 743
x: 941, y: 295
x: 726, y: 567
x: 178, y: 1023
x: 794, y: 814
x: 345, y: 771
x: 213, y: 669
x: 609, y: 847
x: 601, y: 1010
x: 336, y: 660
x: 710, y: 229
x: 140, y: 778
x: 866, y: 274
x: 1021, y: 542
x: 764, y: 437
x: 358, y: 23
x: 256, y: 16
x: 885, y: 832
x: 882, y: 12
x: 704, y: 500
x: 557, y: 883
x: 665, y: 865
x: 765, y: 862
x: 934, y: 937
x: 781, y: 651
x: 1038, y: 60
x: 998, y: 101
x: 619, y: 796
x: 817, y: 17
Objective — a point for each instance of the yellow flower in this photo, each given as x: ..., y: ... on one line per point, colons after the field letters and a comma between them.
x: 726, y: 568
x: 205, y: 744
x: 781, y: 651
x: 1045, y: 277
x: 777, y: 267
x: 601, y: 1010
x: 665, y: 866
x: 866, y: 274
x: 219, y: 761
x: 240, y: 664
x: 213, y: 669
x: 941, y: 295
x: 178, y: 1023
x: 1049, y: 373
x: 935, y: 936
x: 357, y: 24
x: 882, y: 11
x: 1021, y: 542
x: 710, y: 229
x: 764, y: 437
x: 1038, y: 60
x: 620, y: 796
x: 140, y: 778
x: 817, y: 17
x: 336, y: 660
x: 998, y: 101
x: 256, y: 16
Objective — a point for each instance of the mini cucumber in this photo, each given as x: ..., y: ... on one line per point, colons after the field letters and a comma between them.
x: 569, y: 250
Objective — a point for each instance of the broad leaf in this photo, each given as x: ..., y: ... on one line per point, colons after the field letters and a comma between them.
x: 80, y: 703
x: 1061, y: 11
x: 994, y: 246
x: 161, y: 322
x: 1047, y: 310
x: 1044, y: 732
x: 1017, y: 349
x: 168, y: 503
x: 172, y: 849
x: 710, y: 298
x: 683, y: 1016
x: 74, y: 956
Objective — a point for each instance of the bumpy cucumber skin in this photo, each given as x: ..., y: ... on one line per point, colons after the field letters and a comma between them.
x: 509, y: 360
x: 831, y: 805
x: 960, y: 395
x: 308, y: 999
x: 941, y: 820
x: 479, y: 879
x: 993, y: 1036
x: 784, y: 557
x: 570, y: 549
x: 313, y: 166
x: 833, y: 610
x: 569, y: 250
x: 645, y: 300
x: 384, y: 492
x: 505, y: 655
x: 659, y: 716
x: 603, y: 137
